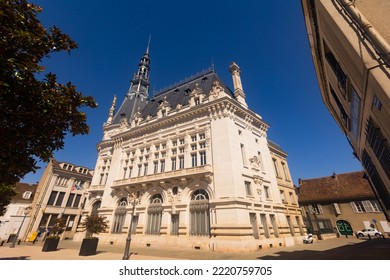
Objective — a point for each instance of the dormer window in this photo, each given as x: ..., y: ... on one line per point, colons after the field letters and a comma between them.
x: 27, y: 195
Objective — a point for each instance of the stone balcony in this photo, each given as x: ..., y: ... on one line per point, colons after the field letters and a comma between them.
x: 177, y: 176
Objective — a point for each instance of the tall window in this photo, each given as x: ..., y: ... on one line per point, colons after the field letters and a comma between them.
x: 70, y: 200
x: 154, y: 215
x: 379, y: 145
x: 355, y: 113
x: 298, y: 220
x: 276, y: 167
x: 266, y: 192
x: 202, y: 157
x: 194, y: 160
x: 291, y: 226
x: 248, y: 188
x: 255, y: 227
x: 52, y: 198
x: 243, y: 155
x: 162, y: 166
x: 174, y: 224
x: 155, y: 167
x: 199, y: 213
x: 120, y: 215
x: 284, y: 168
x: 274, y: 225
x: 263, y: 219
x: 60, y: 199
x: 76, y: 202
x: 145, y: 169
x: 134, y: 224
x: 282, y: 196
x: 181, y: 162
x: 173, y: 160
x: 334, y: 64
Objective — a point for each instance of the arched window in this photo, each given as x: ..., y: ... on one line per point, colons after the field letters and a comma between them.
x: 154, y: 215
x: 120, y: 216
x: 199, y: 213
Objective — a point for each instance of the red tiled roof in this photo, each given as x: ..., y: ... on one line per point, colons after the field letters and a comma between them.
x: 339, y: 187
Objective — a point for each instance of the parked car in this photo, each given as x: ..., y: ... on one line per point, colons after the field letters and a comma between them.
x: 368, y: 232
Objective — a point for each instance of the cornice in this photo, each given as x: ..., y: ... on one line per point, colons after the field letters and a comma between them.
x: 224, y: 107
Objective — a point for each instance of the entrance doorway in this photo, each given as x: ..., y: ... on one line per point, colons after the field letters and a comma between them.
x: 344, y: 227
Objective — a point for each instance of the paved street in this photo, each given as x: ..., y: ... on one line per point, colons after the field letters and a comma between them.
x: 333, y: 249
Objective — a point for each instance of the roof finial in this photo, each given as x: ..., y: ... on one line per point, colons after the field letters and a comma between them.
x: 147, y: 48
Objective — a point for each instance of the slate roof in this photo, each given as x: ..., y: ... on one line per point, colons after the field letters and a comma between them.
x: 337, y: 188
x: 176, y: 94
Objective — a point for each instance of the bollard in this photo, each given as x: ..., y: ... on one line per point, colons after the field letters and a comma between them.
x: 369, y: 236
x: 2, y: 243
x: 19, y: 241
x: 346, y: 236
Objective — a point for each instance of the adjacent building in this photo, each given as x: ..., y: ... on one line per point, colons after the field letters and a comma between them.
x: 18, y: 213
x: 61, y: 193
x: 340, y: 205
x: 349, y: 42
x: 192, y: 167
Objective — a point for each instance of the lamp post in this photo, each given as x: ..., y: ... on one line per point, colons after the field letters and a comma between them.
x: 126, y: 255
x: 26, y: 211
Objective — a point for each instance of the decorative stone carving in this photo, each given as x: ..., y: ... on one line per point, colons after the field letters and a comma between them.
x: 255, y: 163
x: 257, y: 180
x: 216, y: 90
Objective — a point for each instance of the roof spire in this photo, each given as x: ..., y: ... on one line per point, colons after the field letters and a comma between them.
x: 147, y: 48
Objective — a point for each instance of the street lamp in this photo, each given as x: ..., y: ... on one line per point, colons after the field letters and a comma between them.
x: 26, y: 211
x: 134, y: 202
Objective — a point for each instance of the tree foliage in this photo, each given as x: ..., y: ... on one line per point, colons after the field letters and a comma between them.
x: 6, y: 194
x: 36, y: 111
x: 94, y: 224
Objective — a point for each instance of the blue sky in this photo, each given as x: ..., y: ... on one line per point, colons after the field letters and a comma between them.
x: 266, y: 39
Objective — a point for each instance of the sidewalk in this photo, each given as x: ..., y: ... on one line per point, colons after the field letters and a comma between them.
x: 338, y: 248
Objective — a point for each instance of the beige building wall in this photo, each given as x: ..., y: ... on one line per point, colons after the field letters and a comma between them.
x: 60, y: 178
x: 349, y: 42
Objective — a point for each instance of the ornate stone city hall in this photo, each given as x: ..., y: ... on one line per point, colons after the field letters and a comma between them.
x: 192, y: 167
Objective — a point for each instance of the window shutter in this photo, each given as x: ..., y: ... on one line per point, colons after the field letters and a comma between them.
x: 367, y: 206
x: 320, y: 209
x: 354, y: 208
x: 336, y: 209
x: 311, y: 209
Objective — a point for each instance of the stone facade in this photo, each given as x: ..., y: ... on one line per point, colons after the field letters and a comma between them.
x: 191, y: 167
x: 349, y: 42
x: 61, y: 192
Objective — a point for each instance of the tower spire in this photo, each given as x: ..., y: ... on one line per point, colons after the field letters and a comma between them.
x: 147, y: 48
x: 138, y: 93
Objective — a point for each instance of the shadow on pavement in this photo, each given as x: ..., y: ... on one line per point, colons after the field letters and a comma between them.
x: 375, y: 249
x: 16, y: 258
